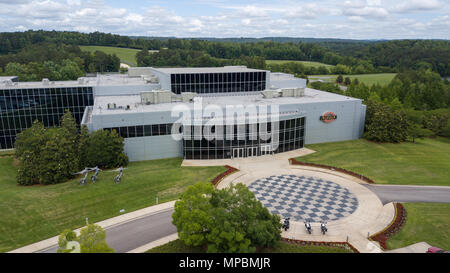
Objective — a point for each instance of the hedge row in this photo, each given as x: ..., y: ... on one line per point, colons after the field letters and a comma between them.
x: 221, y: 176
x: 321, y: 243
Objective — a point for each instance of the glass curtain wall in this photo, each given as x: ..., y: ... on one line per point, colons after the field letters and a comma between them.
x: 218, y: 82
x: 291, y: 136
x: 19, y: 108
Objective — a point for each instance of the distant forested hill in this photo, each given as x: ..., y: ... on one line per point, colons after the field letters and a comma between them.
x: 349, y: 56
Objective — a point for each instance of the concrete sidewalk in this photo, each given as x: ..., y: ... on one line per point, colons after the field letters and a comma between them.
x: 108, y: 223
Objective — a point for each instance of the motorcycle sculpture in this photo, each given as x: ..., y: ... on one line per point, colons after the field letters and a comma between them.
x: 286, y: 224
x: 94, y: 177
x: 86, y: 173
x: 118, y: 177
x: 308, y: 227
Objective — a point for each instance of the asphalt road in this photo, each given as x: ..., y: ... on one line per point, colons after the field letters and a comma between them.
x: 398, y: 193
x: 133, y: 234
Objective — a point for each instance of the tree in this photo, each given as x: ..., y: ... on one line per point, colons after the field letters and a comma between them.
x: 227, y: 220
x: 384, y: 124
x: 355, y: 81
x: 347, y: 81
x: 64, y: 238
x: 104, y: 149
x: 339, y: 79
x: 193, y: 214
x: 93, y: 240
x: 416, y: 131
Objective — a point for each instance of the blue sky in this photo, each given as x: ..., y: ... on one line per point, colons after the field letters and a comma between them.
x: 355, y: 19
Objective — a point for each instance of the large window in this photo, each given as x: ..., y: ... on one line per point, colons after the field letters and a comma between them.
x: 143, y: 130
x: 19, y: 108
x: 218, y: 82
x: 244, y: 141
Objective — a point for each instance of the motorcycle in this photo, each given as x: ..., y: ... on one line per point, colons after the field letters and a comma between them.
x: 323, y: 227
x: 308, y: 227
x: 286, y: 224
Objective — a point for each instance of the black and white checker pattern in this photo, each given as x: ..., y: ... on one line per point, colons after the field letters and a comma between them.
x: 304, y: 198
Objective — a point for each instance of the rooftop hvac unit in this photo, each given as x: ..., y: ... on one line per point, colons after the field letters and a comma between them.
x: 112, y: 106
x: 45, y: 82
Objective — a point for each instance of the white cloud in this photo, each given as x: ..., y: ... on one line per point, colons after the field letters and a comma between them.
x: 298, y: 18
x: 417, y: 5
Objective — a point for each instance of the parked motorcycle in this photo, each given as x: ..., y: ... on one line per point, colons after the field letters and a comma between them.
x: 323, y: 227
x: 286, y: 224
x: 308, y: 227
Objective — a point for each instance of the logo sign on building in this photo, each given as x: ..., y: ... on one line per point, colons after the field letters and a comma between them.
x: 328, y: 117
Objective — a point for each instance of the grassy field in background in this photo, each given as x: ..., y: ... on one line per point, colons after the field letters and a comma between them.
x: 368, y: 79
x: 34, y: 213
x: 305, y: 63
x: 425, y: 222
x: 126, y: 55
x: 425, y: 162
x: 178, y: 246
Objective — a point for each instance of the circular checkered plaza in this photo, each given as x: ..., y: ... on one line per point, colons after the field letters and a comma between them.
x: 304, y: 198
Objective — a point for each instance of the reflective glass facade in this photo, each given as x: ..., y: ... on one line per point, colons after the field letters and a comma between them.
x: 203, y: 83
x: 143, y: 130
x: 19, y: 108
x: 240, y: 142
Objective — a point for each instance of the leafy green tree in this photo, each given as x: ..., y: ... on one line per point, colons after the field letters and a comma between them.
x: 105, y: 150
x: 340, y: 79
x: 241, y: 222
x: 416, y: 131
x: 384, y: 124
x: 347, y: 81
x: 65, y: 237
x: 227, y: 220
x: 93, y: 240
x: 28, y: 148
x: 193, y: 214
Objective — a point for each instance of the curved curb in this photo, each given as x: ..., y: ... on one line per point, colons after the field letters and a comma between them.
x: 393, y: 228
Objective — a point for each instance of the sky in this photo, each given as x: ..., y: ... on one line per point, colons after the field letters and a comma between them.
x: 349, y: 19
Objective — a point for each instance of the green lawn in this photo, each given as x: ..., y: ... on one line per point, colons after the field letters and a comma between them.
x: 425, y: 222
x: 425, y: 162
x: 305, y: 63
x: 126, y: 55
x: 30, y: 214
x: 369, y: 79
x: 178, y: 246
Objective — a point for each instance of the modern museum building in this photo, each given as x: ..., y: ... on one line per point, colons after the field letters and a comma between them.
x: 195, y: 113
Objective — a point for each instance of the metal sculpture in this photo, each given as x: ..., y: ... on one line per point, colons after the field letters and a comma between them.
x: 118, y: 177
x: 95, y: 176
x: 85, y: 171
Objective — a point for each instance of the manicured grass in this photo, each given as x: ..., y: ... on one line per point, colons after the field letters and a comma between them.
x: 178, y: 246
x: 305, y: 63
x: 126, y: 55
x: 30, y: 214
x: 424, y: 162
x: 368, y: 79
x: 425, y: 222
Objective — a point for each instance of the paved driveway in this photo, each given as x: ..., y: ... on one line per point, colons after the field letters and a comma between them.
x: 398, y: 193
x: 133, y: 234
